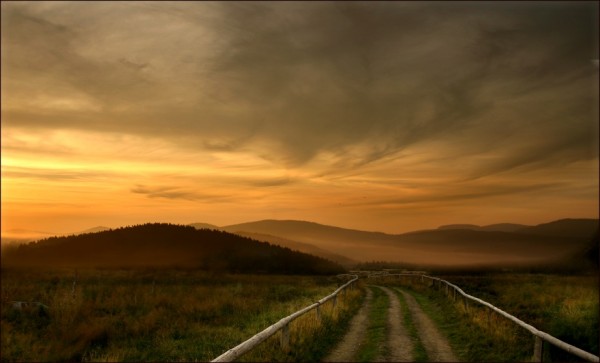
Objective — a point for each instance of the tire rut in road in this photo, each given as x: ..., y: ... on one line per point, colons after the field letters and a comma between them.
x: 346, y: 350
x: 435, y: 344
x: 400, y: 345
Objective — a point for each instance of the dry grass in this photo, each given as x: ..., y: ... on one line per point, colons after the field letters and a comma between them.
x: 135, y: 315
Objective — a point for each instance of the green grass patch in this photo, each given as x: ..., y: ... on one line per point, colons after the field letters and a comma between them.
x: 563, y: 306
x: 374, y: 346
x: 419, y: 353
x: 311, y: 340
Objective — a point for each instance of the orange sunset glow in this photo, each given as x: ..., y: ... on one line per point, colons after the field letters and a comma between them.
x: 379, y: 116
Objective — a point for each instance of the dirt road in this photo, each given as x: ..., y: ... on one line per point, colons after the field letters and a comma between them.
x: 347, y: 348
x: 398, y: 344
x: 436, y: 345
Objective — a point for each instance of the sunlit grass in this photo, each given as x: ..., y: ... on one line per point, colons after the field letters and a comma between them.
x: 129, y: 315
x: 563, y: 306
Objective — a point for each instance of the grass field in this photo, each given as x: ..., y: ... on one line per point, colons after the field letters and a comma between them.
x: 564, y: 306
x: 160, y: 315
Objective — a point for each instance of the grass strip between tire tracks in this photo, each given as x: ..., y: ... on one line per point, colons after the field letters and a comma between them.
x: 419, y: 353
x: 377, y: 329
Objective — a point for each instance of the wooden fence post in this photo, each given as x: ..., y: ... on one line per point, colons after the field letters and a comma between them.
x: 538, y: 349
x: 74, y: 284
x: 334, y: 301
x: 318, y: 309
x: 285, y: 337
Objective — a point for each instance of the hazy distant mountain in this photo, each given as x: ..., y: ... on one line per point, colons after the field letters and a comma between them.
x: 460, y: 226
x: 453, y: 245
x: 204, y: 225
x: 493, y: 244
x: 499, y: 227
x: 300, y: 246
x: 309, y: 232
x: 24, y: 235
x: 166, y: 245
x: 584, y: 228
x: 94, y: 230
x: 280, y: 241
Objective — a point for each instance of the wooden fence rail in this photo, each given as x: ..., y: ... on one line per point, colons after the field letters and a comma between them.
x: 538, y: 334
x: 282, y: 324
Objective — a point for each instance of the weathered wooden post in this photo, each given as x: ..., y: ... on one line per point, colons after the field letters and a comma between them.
x: 74, y: 284
x: 334, y: 301
x: 466, y: 303
x: 454, y: 294
x: 538, y: 350
x: 318, y: 310
x: 285, y: 337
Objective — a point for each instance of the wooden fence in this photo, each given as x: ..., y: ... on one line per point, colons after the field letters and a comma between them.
x: 539, y: 335
x: 282, y: 325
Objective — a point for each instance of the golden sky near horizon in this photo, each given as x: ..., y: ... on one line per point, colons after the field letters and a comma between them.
x: 389, y: 116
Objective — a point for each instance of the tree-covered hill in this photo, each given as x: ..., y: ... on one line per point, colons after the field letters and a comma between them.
x: 166, y: 245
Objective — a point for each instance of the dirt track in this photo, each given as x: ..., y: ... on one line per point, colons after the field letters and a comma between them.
x: 347, y: 348
x: 398, y: 343
x: 436, y: 345
x: 400, y: 346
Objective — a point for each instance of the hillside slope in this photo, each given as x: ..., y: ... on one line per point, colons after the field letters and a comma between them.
x: 497, y: 244
x: 300, y: 246
x: 166, y: 245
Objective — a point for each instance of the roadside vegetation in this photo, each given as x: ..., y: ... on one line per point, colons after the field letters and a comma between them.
x: 563, y: 306
x: 162, y: 315
x: 376, y: 330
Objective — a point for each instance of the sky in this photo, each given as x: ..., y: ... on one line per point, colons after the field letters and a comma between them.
x: 387, y: 116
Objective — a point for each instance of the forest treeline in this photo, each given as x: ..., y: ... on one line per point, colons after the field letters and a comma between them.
x: 166, y: 245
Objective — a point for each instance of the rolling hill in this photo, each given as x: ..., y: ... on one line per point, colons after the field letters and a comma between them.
x: 166, y: 245
x: 498, y: 227
x: 583, y: 228
x: 469, y: 245
x: 301, y: 247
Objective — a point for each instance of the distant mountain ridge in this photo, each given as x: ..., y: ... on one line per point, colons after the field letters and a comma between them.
x: 498, y: 227
x: 467, y: 244
x: 301, y: 247
x: 450, y: 245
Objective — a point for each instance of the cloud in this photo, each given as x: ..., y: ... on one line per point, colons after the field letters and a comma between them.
x: 169, y: 192
x: 446, y: 195
x: 48, y: 174
x: 367, y: 73
x: 291, y: 82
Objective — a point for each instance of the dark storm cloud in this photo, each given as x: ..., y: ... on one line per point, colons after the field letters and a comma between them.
x: 290, y: 80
